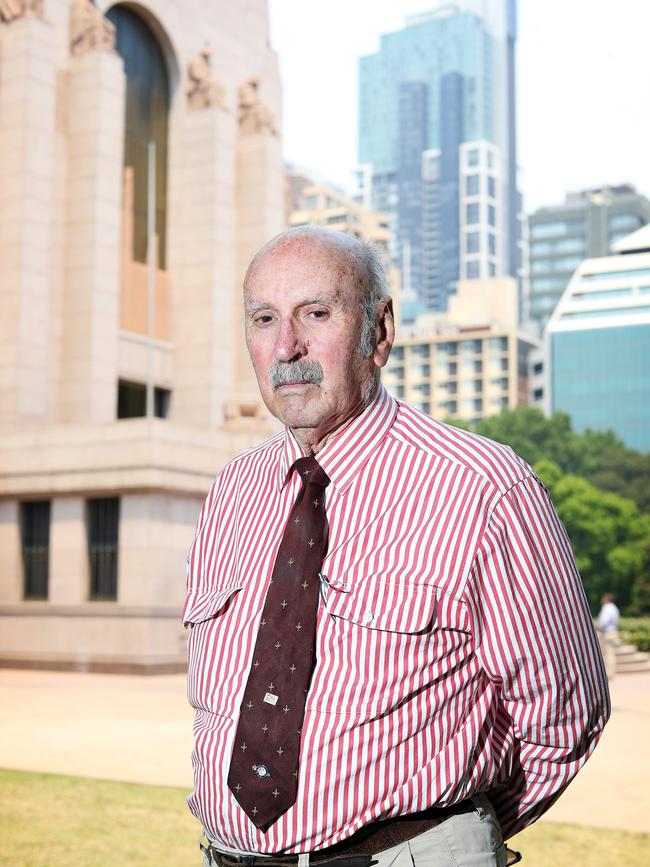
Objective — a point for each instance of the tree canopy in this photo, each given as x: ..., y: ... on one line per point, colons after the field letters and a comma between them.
x: 601, y: 490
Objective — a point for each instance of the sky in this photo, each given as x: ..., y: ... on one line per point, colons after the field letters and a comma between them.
x: 583, y: 82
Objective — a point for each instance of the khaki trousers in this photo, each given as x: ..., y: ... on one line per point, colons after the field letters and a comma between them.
x: 466, y: 840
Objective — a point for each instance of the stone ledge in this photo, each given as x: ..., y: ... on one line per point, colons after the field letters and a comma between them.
x: 96, y: 666
x: 97, y: 610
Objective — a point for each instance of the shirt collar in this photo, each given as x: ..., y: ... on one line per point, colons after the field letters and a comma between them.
x: 344, y: 455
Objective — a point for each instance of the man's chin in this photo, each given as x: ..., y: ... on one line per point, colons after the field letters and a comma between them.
x: 295, y: 415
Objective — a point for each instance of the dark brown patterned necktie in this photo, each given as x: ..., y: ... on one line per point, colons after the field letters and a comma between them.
x: 264, y: 766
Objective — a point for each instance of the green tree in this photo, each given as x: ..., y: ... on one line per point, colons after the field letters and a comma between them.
x: 624, y: 472
x: 606, y: 530
x: 641, y: 586
x: 598, y: 456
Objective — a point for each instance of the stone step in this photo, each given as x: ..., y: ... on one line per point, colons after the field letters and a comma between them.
x: 629, y: 660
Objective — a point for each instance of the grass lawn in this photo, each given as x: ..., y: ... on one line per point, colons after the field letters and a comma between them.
x: 56, y: 821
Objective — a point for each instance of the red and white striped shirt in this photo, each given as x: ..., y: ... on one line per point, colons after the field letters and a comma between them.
x: 455, y: 649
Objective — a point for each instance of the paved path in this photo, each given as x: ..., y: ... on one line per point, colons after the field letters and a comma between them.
x: 138, y: 729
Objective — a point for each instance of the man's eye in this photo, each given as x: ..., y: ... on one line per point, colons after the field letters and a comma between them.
x: 263, y: 319
x: 318, y: 314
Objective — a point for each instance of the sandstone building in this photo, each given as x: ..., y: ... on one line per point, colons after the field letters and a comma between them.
x: 124, y: 381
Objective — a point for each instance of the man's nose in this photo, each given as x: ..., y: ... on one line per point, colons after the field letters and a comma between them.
x: 290, y: 343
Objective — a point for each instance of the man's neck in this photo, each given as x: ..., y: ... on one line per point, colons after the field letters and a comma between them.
x: 313, y: 440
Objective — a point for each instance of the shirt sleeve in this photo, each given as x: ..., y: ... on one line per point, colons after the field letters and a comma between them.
x: 198, y: 553
x: 536, y: 642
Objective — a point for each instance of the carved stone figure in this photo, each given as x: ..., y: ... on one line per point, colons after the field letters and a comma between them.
x: 254, y: 116
x: 10, y: 10
x: 204, y: 89
x: 89, y: 29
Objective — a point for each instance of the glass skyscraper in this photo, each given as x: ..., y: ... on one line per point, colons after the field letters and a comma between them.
x: 598, y: 344
x: 585, y: 225
x: 438, y: 146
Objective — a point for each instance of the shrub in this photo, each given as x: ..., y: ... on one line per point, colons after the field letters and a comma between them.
x: 636, y: 631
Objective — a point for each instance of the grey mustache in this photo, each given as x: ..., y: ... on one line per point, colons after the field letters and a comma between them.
x: 295, y: 371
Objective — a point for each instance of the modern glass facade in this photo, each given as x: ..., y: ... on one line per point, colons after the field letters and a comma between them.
x: 424, y: 52
x: 442, y: 83
x: 601, y: 377
x: 585, y: 225
x: 598, y: 344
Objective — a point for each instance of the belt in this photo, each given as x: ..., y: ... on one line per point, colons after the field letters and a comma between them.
x: 357, y: 850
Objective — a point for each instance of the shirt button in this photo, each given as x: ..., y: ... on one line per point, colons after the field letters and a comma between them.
x: 368, y: 616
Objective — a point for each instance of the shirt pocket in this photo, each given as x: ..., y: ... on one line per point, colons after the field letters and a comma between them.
x: 212, y: 653
x: 387, y: 606
x: 382, y: 645
x: 204, y: 605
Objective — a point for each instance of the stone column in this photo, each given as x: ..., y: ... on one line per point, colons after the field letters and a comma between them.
x: 11, y: 574
x: 260, y: 216
x: 69, y: 572
x: 202, y: 264
x: 96, y: 94
x: 156, y: 531
x: 27, y: 166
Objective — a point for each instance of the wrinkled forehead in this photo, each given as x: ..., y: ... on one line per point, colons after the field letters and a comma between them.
x: 339, y: 264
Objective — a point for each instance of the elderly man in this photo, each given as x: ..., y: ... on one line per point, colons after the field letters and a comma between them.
x: 390, y: 653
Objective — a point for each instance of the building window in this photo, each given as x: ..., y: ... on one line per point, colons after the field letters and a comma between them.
x: 398, y: 352
x: 492, y: 244
x: 103, y: 523
x: 473, y: 270
x: 35, y: 538
x: 538, y: 368
x: 147, y: 110
x: 538, y: 394
x: 472, y: 212
x: 549, y: 230
x: 473, y: 157
x: 492, y: 187
x: 132, y: 400
x: 473, y: 242
x: 472, y: 185
x: 492, y: 215
x: 624, y: 221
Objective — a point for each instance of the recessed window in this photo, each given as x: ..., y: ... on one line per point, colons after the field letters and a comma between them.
x: 132, y: 400
x: 472, y: 213
x: 102, y: 525
x: 473, y: 242
x: 35, y: 539
x: 472, y: 185
x: 146, y: 116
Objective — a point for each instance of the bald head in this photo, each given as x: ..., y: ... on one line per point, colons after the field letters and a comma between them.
x: 349, y: 257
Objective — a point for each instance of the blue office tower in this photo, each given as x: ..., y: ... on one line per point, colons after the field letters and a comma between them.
x: 437, y: 133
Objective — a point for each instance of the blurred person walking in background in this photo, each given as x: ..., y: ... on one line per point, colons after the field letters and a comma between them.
x: 608, y: 632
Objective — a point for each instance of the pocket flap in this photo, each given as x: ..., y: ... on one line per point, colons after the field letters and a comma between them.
x: 390, y: 606
x: 201, y: 606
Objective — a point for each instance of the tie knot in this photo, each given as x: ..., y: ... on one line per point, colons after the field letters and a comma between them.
x: 311, y: 472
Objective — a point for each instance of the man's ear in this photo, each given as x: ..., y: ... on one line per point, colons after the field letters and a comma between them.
x: 385, y: 332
